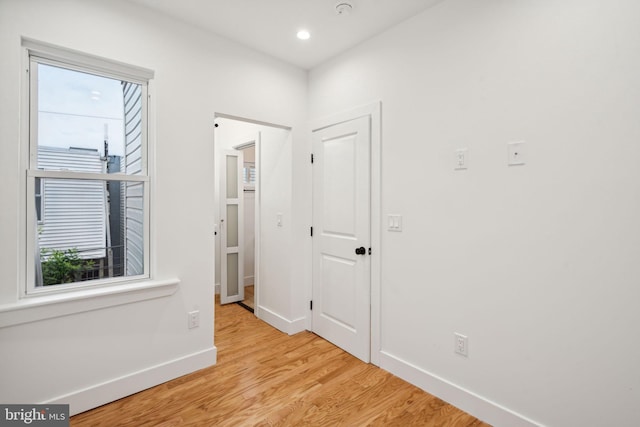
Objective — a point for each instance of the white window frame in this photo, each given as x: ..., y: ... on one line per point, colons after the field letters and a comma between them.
x: 36, y: 52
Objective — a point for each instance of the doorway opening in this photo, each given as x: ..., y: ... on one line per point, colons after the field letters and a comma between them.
x: 246, y: 191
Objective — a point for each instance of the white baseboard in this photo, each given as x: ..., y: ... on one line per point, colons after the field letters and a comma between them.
x: 117, y: 388
x: 287, y: 326
x: 217, y: 289
x: 481, y: 408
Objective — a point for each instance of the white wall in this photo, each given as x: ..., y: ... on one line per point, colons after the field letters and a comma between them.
x: 276, y: 288
x: 536, y: 264
x: 196, y: 75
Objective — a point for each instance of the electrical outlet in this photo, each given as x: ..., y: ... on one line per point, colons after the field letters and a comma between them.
x: 461, y: 344
x: 461, y: 159
x: 193, y: 318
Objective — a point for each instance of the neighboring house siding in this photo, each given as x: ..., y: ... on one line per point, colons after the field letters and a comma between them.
x: 134, y: 191
x: 73, y: 210
x: 116, y: 213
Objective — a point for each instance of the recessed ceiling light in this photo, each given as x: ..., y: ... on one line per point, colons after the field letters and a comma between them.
x: 303, y: 35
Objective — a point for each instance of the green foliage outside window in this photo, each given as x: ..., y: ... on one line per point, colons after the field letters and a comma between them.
x: 61, y: 266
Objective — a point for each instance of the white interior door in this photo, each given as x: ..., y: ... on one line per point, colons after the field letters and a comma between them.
x: 231, y: 228
x: 342, y: 234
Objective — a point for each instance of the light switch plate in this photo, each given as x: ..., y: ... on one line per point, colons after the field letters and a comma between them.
x: 516, y: 152
x: 394, y: 222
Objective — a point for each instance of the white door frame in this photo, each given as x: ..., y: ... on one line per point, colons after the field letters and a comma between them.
x: 258, y: 243
x: 374, y: 111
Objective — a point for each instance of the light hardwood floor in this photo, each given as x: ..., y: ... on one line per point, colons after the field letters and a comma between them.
x: 266, y: 378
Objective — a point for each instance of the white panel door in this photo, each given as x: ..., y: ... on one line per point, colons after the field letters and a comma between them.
x: 231, y: 228
x: 341, y: 235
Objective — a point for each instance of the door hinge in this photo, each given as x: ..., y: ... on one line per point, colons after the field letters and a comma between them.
x: 311, y: 231
x: 311, y: 157
x: 311, y: 305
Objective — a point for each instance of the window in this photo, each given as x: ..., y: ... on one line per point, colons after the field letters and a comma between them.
x: 249, y: 176
x: 87, y: 165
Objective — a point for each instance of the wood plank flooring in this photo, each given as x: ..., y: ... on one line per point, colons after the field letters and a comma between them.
x: 266, y: 378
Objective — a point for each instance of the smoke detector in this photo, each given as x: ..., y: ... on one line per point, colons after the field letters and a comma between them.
x: 344, y: 8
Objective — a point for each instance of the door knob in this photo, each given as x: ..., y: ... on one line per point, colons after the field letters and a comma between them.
x: 361, y: 250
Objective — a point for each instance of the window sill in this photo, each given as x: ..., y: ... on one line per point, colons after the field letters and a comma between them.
x: 50, y: 306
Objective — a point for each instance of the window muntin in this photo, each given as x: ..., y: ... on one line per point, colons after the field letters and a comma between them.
x: 88, y: 148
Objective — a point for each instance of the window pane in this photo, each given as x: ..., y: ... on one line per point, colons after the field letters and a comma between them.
x: 232, y: 177
x: 232, y: 274
x: 249, y: 174
x: 232, y: 226
x: 91, y: 229
x: 134, y: 227
x: 84, y: 120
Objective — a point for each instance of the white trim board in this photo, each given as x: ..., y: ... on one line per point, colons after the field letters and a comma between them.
x: 48, y: 306
x: 282, y: 324
x: 117, y: 388
x: 93, y: 62
x: 457, y: 396
x: 255, y: 122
